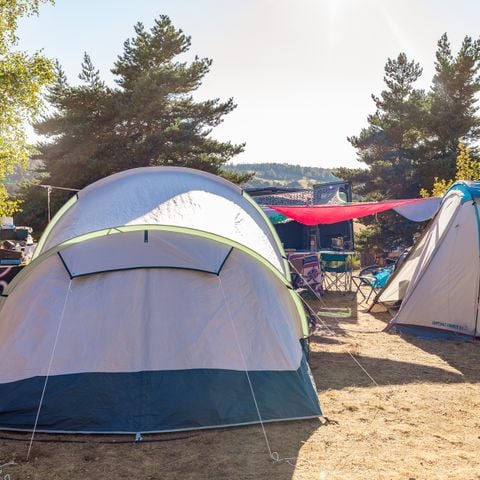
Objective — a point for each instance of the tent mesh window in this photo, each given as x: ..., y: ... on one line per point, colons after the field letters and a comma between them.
x: 295, y: 197
x: 323, y: 194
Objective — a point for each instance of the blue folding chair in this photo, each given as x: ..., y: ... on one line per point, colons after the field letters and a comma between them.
x: 374, y: 277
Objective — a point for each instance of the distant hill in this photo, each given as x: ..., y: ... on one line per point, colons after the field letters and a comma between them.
x: 266, y: 174
x: 283, y: 174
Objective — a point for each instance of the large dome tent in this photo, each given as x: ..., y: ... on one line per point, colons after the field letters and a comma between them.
x: 438, y: 285
x: 151, y: 328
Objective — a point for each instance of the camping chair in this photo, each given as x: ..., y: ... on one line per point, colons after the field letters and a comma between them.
x: 312, y: 272
x: 374, y: 277
x: 337, y: 271
x: 397, y: 263
x: 306, y: 270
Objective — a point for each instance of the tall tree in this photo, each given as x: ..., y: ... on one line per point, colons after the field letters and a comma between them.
x: 150, y: 118
x: 413, y: 137
x: 390, y: 144
x: 453, y: 112
x: 22, y: 77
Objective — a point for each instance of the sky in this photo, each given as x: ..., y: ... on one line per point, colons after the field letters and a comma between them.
x: 301, y: 72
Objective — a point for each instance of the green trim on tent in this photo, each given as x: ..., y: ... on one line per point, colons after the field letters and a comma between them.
x: 273, y: 232
x: 165, y: 228
x: 184, y: 230
x: 53, y: 222
x: 275, y: 236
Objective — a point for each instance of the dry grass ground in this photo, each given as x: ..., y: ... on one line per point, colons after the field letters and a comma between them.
x: 421, y: 421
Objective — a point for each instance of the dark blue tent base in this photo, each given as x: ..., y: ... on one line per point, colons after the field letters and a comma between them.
x: 427, y: 333
x: 153, y: 401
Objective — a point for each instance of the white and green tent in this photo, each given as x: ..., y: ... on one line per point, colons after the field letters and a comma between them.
x: 438, y: 284
x: 158, y: 300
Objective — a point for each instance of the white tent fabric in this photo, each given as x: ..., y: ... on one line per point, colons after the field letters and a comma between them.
x: 439, y: 282
x: 396, y: 288
x: 107, y: 316
x: 421, y: 211
x: 167, y: 196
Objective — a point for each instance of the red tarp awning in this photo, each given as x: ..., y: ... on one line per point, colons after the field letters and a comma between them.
x: 324, y: 214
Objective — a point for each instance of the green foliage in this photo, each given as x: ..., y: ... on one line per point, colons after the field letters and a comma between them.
x: 150, y: 118
x: 386, y: 231
x: 467, y: 168
x: 453, y: 109
x: 413, y: 136
x: 10, y: 12
x: 22, y: 78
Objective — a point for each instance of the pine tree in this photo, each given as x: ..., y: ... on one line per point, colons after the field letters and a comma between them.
x: 150, y: 118
x: 413, y: 137
x: 390, y: 145
x: 452, y: 118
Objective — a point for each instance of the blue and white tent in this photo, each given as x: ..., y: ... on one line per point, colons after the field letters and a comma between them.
x: 438, y: 283
x: 159, y: 300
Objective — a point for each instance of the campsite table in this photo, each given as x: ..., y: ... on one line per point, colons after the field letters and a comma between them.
x: 340, y: 252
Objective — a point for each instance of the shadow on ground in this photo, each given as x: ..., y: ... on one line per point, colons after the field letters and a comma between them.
x: 333, y: 370
x: 336, y: 310
x: 239, y: 453
x: 339, y: 326
x: 464, y: 356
